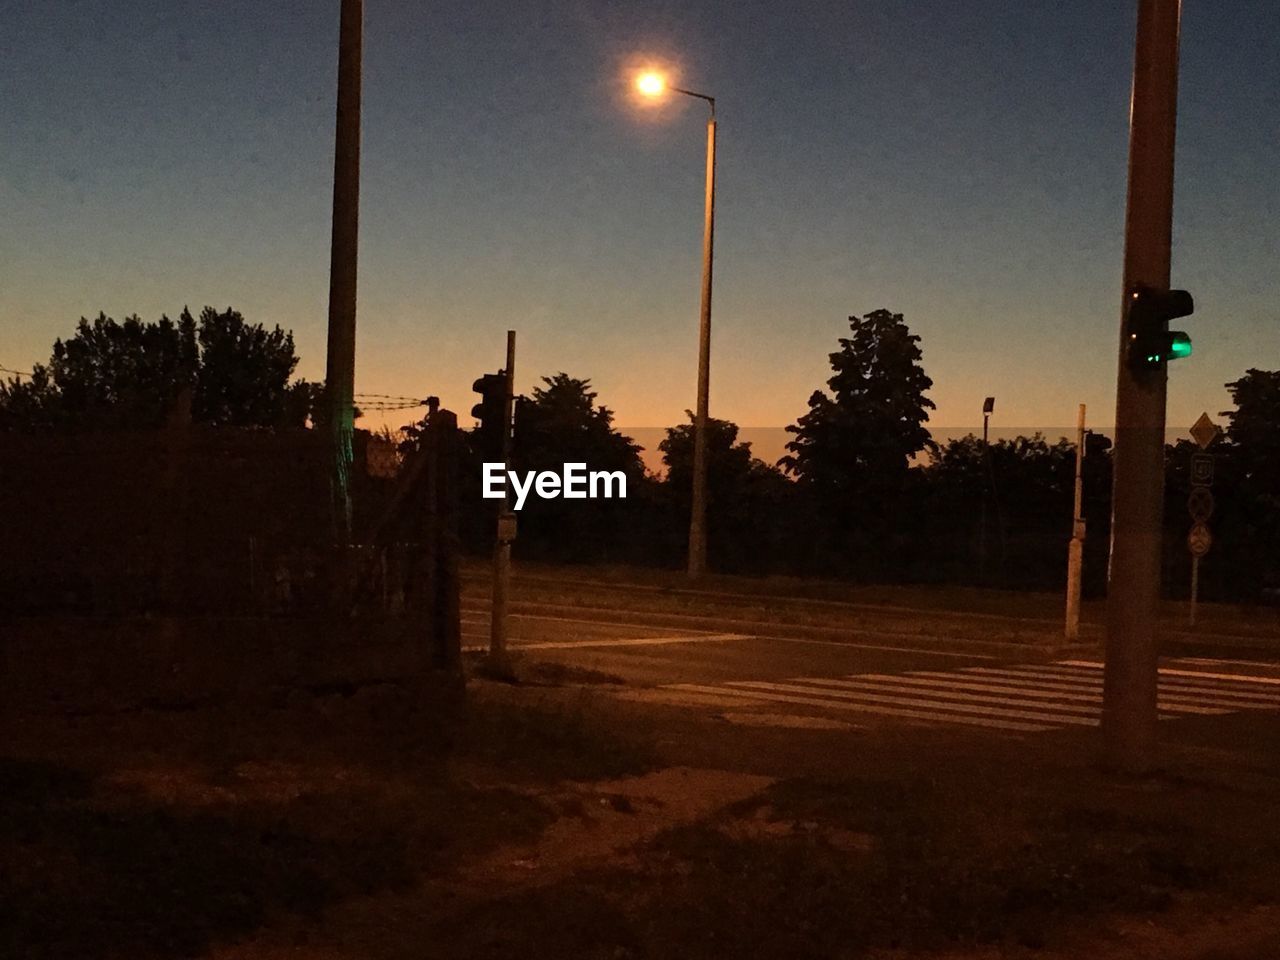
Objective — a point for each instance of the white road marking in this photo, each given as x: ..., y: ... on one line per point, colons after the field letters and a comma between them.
x: 847, y: 644
x: 1094, y: 680
x: 1273, y: 664
x: 1021, y: 697
x: 921, y: 682
x: 632, y: 625
x: 872, y: 646
x: 517, y: 644
x: 917, y: 702
x: 862, y: 708
x: 1171, y: 672
x: 890, y: 684
x: 1176, y: 686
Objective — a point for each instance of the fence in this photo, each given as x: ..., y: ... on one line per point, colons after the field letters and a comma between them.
x: 228, y: 533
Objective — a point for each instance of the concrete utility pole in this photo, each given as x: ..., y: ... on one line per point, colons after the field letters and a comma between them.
x: 698, y: 513
x: 1075, y: 551
x: 1133, y: 591
x: 654, y: 84
x: 498, y: 661
x: 340, y: 360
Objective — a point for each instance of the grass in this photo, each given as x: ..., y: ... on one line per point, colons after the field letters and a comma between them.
x: 162, y: 833
x: 348, y: 816
x: 552, y: 738
x: 528, y: 671
x: 844, y: 868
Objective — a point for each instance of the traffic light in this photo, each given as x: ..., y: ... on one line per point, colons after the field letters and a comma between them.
x: 492, y: 388
x: 1149, y: 339
x: 1095, y: 444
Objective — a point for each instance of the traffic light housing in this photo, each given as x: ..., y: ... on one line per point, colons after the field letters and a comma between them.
x: 1149, y: 341
x: 1095, y: 444
x: 492, y: 388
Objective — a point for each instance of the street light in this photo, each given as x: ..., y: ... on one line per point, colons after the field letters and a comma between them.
x: 988, y: 407
x: 652, y: 84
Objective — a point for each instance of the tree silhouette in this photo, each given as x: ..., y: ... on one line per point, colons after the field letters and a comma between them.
x: 244, y: 370
x: 561, y: 423
x: 747, y: 499
x: 1030, y: 510
x: 852, y: 451
x: 128, y: 374
x: 1248, y: 484
x: 729, y: 463
x: 865, y: 435
x: 1254, y: 432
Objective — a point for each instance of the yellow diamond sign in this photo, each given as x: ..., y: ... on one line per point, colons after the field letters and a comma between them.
x: 1204, y: 431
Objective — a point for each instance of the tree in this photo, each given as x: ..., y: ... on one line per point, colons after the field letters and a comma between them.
x: 1027, y: 485
x: 867, y: 433
x: 1254, y: 431
x: 30, y: 406
x: 747, y: 499
x: 560, y: 423
x: 244, y: 369
x: 1248, y: 485
x: 852, y: 451
x: 128, y: 374
x: 729, y: 463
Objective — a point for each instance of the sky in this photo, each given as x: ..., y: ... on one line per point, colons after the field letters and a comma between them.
x: 960, y: 163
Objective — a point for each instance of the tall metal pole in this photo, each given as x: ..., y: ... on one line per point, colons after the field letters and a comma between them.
x: 340, y: 360
x: 1133, y: 591
x: 1075, y: 550
x: 498, y: 662
x: 986, y: 493
x: 698, y: 513
x: 1195, y: 590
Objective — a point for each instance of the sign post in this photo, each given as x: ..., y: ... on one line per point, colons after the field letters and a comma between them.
x: 1200, y: 503
x: 499, y: 663
x: 1075, y: 550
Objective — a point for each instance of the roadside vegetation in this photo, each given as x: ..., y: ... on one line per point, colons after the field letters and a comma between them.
x: 864, y: 494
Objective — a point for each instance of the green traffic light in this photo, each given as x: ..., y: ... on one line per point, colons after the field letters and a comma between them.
x: 1179, y: 345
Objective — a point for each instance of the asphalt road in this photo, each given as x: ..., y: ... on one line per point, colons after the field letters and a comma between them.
x: 765, y: 676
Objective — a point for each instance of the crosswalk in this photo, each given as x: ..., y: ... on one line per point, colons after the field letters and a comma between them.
x: 1022, y: 698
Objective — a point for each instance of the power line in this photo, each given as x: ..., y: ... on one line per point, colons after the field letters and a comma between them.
x: 16, y: 373
x: 411, y: 401
x: 385, y: 407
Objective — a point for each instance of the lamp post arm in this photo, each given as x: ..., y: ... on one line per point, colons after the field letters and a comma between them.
x: 700, y: 96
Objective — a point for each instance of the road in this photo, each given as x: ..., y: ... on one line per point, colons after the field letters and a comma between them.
x: 768, y: 672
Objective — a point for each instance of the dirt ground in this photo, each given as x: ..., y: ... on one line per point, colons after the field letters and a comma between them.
x: 558, y: 819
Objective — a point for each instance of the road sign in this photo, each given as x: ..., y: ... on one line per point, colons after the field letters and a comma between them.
x: 1204, y: 431
x: 1199, y: 540
x: 1202, y: 469
x: 1200, y: 504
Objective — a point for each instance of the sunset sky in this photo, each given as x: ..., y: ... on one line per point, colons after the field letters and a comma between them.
x: 960, y: 163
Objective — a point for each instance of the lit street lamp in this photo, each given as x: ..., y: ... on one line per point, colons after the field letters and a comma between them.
x: 653, y: 84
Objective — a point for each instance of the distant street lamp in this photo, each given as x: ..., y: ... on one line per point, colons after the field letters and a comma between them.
x: 988, y: 407
x: 652, y: 84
